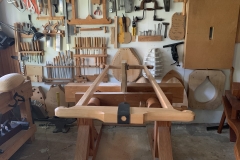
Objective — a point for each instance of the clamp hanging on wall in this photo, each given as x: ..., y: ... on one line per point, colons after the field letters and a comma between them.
x: 174, y: 52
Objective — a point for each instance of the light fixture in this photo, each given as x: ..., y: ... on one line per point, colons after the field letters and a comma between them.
x: 36, y: 35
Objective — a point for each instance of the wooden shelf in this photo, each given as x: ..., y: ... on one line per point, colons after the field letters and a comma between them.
x: 85, y: 66
x: 50, y: 79
x: 89, y: 47
x: 50, y: 18
x: 94, y: 55
x: 149, y: 38
x: 54, y: 34
x: 31, y: 52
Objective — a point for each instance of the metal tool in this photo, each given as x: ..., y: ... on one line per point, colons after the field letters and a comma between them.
x: 166, y: 26
x: 40, y: 5
x: 55, y: 4
x: 45, y: 5
x: 155, y: 17
x: 134, y: 26
x: 142, y: 5
x: 166, y: 5
x: 98, y: 11
x: 138, y: 19
x: 128, y: 6
x: 30, y: 6
x: 60, y: 7
x: 113, y: 6
x: 174, y: 52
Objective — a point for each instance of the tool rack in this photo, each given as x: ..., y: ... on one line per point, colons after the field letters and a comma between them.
x: 18, y: 47
x: 89, y: 43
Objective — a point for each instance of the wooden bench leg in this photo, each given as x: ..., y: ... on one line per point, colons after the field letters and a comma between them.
x: 83, y: 143
x: 220, y: 127
x: 164, y: 144
x: 161, y: 147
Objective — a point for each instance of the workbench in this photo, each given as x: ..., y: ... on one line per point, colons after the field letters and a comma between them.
x: 15, y: 142
x: 125, y: 104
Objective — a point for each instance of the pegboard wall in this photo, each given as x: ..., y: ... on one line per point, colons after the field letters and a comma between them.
x: 9, y: 14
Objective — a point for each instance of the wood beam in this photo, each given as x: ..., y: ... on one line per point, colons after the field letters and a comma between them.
x: 164, y: 143
x: 174, y: 88
x: 161, y: 96
x: 88, y: 94
x: 124, y: 76
x: 83, y: 143
x: 138, y: 115
x: 114, y: 98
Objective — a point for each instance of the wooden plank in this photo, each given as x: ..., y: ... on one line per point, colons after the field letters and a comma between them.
x: 112, y: 35
x: 13, y: 144
x: 221, y: 47
x: 174, y: 88
x: 34, y: 70
x: 124, y: 76
x: 138, y: 115
x: 223, y: 118
x: 114, y: 98
x: 164, y: 143
x: 97, y: 141
x: 116, y: 32
x: 82, y: 146
x: 161, y: 96
x: 88, y: 95
x: 196, y: 78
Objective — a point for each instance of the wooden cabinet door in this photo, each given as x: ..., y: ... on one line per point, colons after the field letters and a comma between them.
x: 210, y: 34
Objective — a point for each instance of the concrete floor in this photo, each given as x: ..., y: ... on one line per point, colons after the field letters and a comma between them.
x: 189, y: 142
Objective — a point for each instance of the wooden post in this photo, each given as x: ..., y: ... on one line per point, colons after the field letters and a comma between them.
x: 124, y: 76
x: 82, y: 146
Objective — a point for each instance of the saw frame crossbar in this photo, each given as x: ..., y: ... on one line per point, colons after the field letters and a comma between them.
x: 93, y: 105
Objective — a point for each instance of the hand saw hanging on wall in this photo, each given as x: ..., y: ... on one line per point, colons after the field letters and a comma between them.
x: 32, y: 6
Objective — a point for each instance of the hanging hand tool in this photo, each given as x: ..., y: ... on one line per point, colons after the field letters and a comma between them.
x: 128, y: 4
x: 138, y: 19
x: 38, y: 55
x: 40, y: 5
x: 55, y: 4
x: 83, y: 63
x: 174, y: 52
x: 166, y: 5
x: 113, y: 6
x: 155, y: 17
x: 134, y: 30
x: 60, y: 7
x: 166, y: 26
x: 98, y: 11
x: 45, y: 5
x: 142, y: 5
